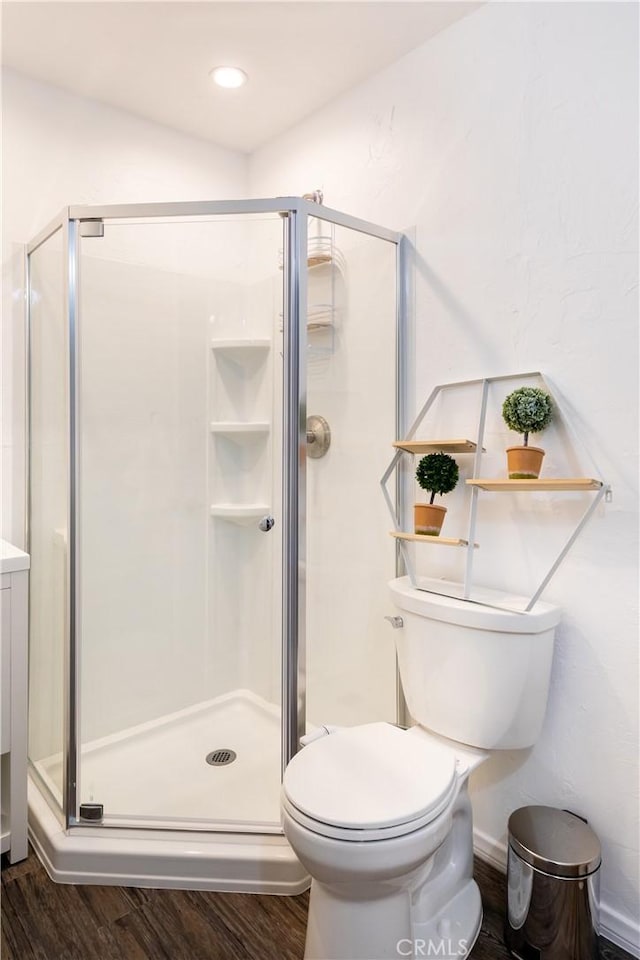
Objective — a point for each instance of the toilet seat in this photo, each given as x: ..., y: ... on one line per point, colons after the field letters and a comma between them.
x: 372, y: 782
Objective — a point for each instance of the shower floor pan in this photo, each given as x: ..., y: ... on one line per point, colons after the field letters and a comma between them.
x: 213, y: 827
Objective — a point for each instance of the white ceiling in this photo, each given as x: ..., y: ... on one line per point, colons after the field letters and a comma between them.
x: 153, y: 58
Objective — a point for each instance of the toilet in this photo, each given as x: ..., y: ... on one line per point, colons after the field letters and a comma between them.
x: 380, y: 816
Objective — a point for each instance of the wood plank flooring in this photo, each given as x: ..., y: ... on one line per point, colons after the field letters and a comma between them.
x: 42, y: 920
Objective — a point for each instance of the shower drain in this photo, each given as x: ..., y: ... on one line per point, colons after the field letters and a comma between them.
x: 221, y: 757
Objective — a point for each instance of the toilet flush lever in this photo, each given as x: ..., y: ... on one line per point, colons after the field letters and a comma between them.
x: 396, y: 622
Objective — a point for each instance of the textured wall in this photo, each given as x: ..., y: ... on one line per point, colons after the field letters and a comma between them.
x: 510, y: 143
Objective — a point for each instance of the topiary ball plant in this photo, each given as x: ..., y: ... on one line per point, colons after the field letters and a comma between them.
x: 437, y: 473
x: 527, y: 410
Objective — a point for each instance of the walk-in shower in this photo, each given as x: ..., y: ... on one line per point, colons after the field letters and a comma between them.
x: 201, y: 591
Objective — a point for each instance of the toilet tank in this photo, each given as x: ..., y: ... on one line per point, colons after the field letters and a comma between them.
x: 471, y: 672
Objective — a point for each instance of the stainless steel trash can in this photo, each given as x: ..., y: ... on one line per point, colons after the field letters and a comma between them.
x: 552, y: 886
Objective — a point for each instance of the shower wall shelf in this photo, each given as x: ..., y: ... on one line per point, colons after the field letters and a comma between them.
x: 319, y: 259
x: 318, y: 319
x: 326, y: 265
x: 550, y: 483
x: 441, y: 446
x: 240, y: 345
x: 239, y: 513
x: 320, y: 316
x: 436, y: 541
x: 499, y: 484
x: 245, y: 428
x: 239, y: 400
x: 316, y: 260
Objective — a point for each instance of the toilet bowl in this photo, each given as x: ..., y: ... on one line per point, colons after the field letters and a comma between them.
x: 380, y: 816
x: 368, y: 811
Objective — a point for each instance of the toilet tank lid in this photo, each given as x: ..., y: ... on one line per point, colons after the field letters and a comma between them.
x: 370, y: 777
x: 442, y: 600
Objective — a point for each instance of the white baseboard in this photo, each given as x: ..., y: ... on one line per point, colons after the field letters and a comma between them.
x: 489, y: 850
x: 620, y: 930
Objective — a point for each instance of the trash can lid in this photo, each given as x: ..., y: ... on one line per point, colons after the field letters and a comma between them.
x: 554, y: 841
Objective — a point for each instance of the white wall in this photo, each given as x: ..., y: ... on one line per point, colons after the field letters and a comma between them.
x: 510, y: 142
x: 60, y: 149
x: 350, y: 676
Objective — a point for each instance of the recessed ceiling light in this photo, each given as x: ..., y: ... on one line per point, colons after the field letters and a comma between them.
x: 229, y: 77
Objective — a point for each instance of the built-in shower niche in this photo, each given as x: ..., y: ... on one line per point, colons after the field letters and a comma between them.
x: 240, y: 381
x: 239, y: 465
x: 241, y: 408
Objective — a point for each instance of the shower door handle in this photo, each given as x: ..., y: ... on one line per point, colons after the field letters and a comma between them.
x: 396, y: 622
x: 266, y: 524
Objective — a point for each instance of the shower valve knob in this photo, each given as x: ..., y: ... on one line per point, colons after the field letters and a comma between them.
x: 266, y: 524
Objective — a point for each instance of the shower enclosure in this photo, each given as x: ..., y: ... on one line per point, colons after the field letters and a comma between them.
x: 205, y: 587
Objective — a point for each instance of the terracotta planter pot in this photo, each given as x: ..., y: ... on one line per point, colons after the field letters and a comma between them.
x: 428, y: 519
x: 524, y: 463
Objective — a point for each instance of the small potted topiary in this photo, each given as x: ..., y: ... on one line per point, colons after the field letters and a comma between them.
x: 436, y: 473
x: 526, y: 410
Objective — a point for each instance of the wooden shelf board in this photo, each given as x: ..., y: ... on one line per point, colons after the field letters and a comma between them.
x: 550, y: 483
x: 446, y: 446
x: 421, y: 538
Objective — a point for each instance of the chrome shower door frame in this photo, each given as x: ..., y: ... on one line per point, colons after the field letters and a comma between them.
x: 295, y: 213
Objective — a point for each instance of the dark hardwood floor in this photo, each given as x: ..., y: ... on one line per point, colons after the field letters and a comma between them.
x: 42, y: 920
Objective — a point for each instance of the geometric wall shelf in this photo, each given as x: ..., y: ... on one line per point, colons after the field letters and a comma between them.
x: 411, y: 445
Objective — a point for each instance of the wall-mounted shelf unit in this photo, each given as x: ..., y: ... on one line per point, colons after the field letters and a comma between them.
x: 436, y: 541
x: 421, y: 447
x: 239, y: 427
x: 548, y: 483
x: 476, y: 483
x: 326, y: 271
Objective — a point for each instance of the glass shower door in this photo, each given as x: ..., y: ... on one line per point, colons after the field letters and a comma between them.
x: 352, y: 342
x: 179, y: 465
x: 48, y: 512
